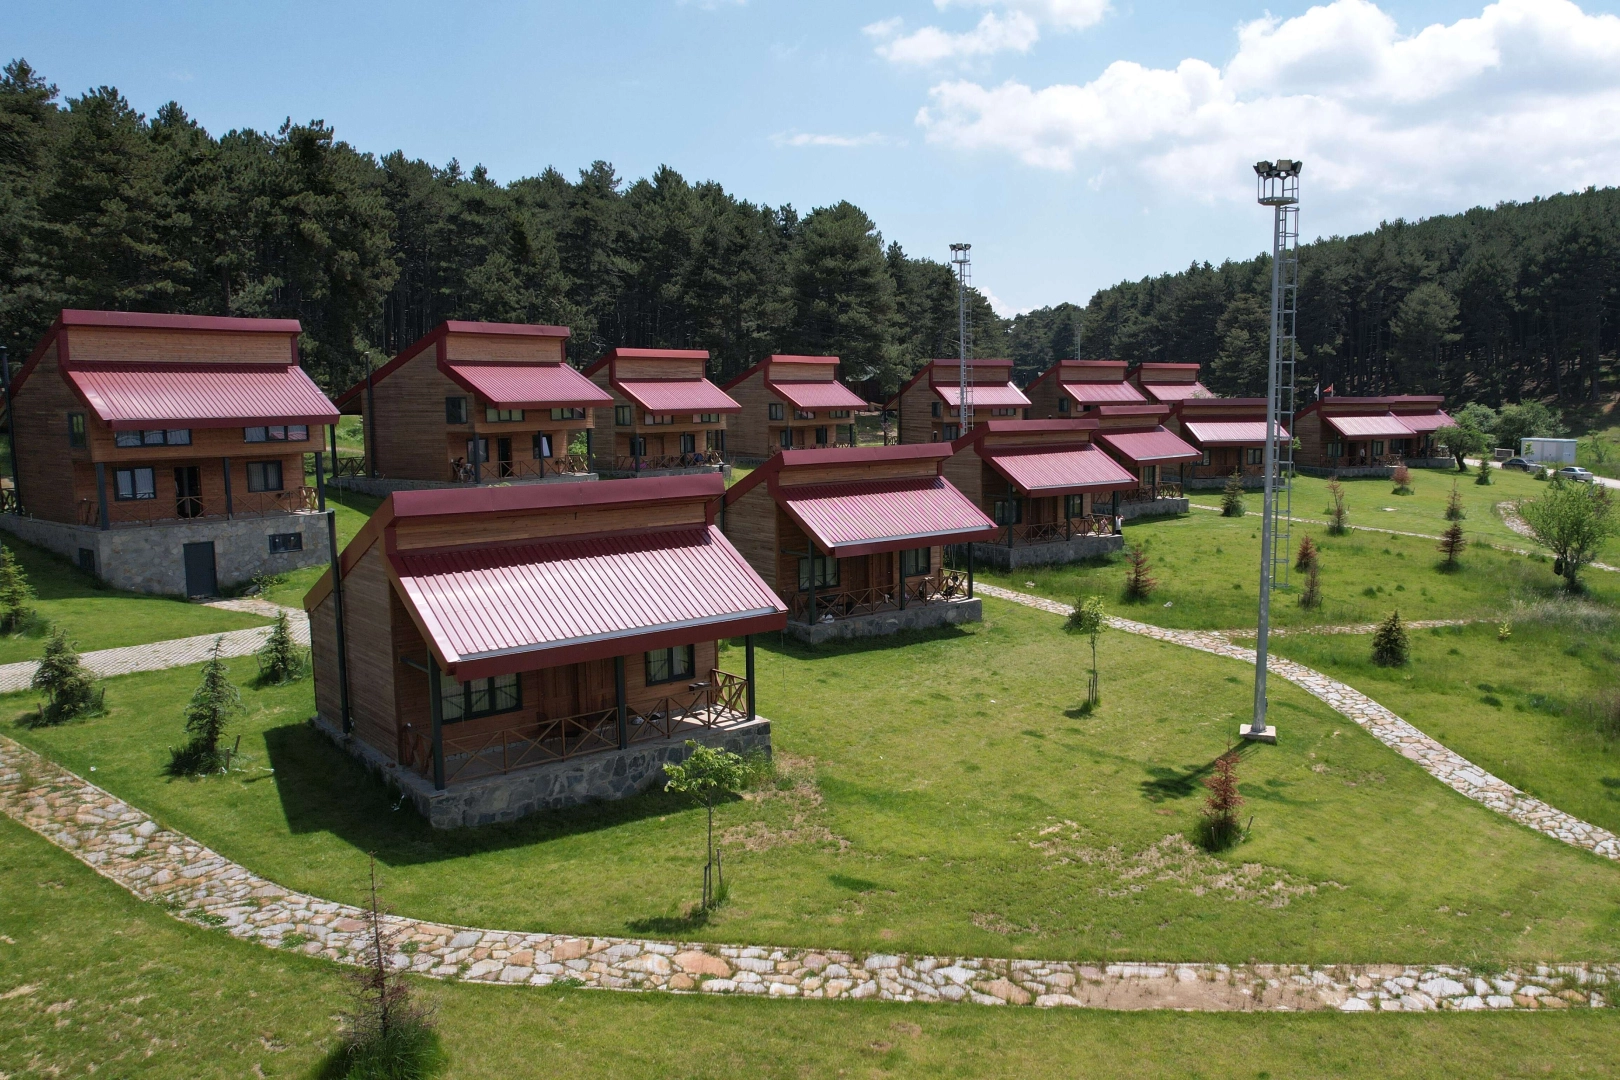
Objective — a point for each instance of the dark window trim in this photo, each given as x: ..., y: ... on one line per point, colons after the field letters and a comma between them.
x: 261, y: 466
x: 455, y: 409
x: 293, y: 541
x: 669, y: 653
x: 777, y: 411
x: 78, y: 431
x: 826, y: 572
x: 135, y: 495
x: 467, y: 712
x: 623, y: 416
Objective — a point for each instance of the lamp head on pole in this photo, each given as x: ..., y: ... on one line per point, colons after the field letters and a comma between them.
x: 1277, y: 182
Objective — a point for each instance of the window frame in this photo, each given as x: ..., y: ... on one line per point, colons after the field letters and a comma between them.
x: 262, y: 467
x: 825, y: 578
x: 78, y: 431
x: 541, y: 445
x: 455, y: 409
x: 568, y: 414
x: 838, y: 414
x: 134, y: 489
x: 624, y: 416
x: 289, y: 542
x: 140, y: 439
x: 908, y: 562
x: 502, y: 416
x: 776, y: 411
x: 669, y: 656
x: 468, y: 691
x: 1074, y: 505
x: 936, y: 409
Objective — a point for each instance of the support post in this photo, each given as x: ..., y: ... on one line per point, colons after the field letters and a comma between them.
x: 333, y: 429
x: 477, y: 457
x: 11, y: 426
x: 436, y: 711
x: 623, y: 706
x: 368, y: 429
x: 900, y: 576
x: 101, y: 493
x: 970, y: 571
x: 337, y: 609
x: 320, y: 485
x: 1257, y: 727
x: 230, y: 506
x: 590, y: 453
x: 810, y: 550
x: 748, y: 651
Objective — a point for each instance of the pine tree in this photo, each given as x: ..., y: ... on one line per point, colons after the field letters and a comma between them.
x: 1338, y: 517
x: 1220, y: 824
x: 1139, y: 583
x: 70, y: 690
x: 1389, y: 645
x: 215, y: 701
x: 1454, y: 504
x: 1307, y: 555
x: 1232, y: 496
x: 1452, y: 544
x: 1483, y: 478
x: 15, y: 593
x: 1311, y: 597
x: 281, y: 660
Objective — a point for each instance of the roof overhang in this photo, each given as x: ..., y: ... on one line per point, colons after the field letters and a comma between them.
x: 1069, y: 470
x: 132, y: 397
x: 527, y: 386
x: 868, y: 517
x: 1157, y: 447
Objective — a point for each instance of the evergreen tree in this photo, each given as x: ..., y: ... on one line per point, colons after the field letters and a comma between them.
x: 1452, y: 544
x: 1454, y: 504
x: 1139, y: 582
x: 213, y: 704
x: 1389, y: 644
x: 1219, y: 828
x: 1232, y: 495
x: 1483, y: 477
x: 70, y: 690
x: 15, y: 593
x: 281, y: 659
x: 1338, y: 516
x: 1307, y: 555
x: 1310, y: 598
x: 843, y: 295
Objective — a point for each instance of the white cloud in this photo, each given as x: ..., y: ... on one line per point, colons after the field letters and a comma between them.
x: 1063, y: 14
x: 1524, y: 97
x: 871, y: 138
x: 1000, y: 306
x: 931, y: 45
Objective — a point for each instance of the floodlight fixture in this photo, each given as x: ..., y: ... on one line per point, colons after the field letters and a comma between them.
x: 1264, y: 168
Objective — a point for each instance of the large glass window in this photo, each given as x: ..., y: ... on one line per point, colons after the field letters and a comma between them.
x: 706, y: 418
x: 785, y: 437
x: 1063, y: 404
x: 715, y: 440
x: 479, y: 697
x: 1256, y: 455
x: 667, y: 665
x: 1378, y: 448
x: 76, y: 434
x: 1074, y: 505
x: 1007, y: 511
x: 170, y: 437
x: 503, y: 416
x: 455, y: 410
x: 839, y: 414
x: 826, y: 568
x: 621, y: 415
x: 542, y: 445
x: 264, y: 475
x: 688, y: 443
x: 134, y: 484
x: 934, y: 408
x: 273, y: 433
x: 638, y: 446
x: 568, y: 414
x: 951, y: 432
x: 778, y: 411
x: 915, y: 562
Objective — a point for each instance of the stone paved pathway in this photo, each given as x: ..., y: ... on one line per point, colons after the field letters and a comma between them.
x: 176, y: 652
x: 200, y: 886
x: 1450, y: 768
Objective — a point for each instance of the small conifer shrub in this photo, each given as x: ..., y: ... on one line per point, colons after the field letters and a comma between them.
x: 1390, y: 647
x: 15, y: 593
x: 1403, y: 479
x: 281, y: 660
x: 70, y: 690
x: 1139, y: 581
x: 1307, y: 554
x: 1219, y: 828
x: 1454, y: 504
x: 1338, y: 517
x: 1310, y: 598
x: 1483, y: 477
x: 1452, y: 544
x: 1232, y: 496
x: 213, y: 704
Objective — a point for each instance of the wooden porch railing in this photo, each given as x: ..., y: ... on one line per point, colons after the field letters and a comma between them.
x: 170, y: 510
x: 1148, y: 492
x: 350, y: 465
x: 625, y: 463
x: 8, y: 501
x: 842, y: 603
x: 836, y: 443
x: 1049, y: 532
x: 540, y: 740
x: 519, y: 469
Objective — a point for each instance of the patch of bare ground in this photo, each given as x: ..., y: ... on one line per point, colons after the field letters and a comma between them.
x: 792, y: 798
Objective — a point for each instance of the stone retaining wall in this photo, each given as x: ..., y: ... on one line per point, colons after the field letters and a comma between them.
x: 1057, y: 552
x: 687, y: 470
x: 920, y: 616
x: 1156, y: 508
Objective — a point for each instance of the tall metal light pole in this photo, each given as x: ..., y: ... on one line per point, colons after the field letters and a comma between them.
x: 964, y: 399
x: 1277, y: 186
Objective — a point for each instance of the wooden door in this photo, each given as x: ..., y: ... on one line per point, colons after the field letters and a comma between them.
x: 596, y: 685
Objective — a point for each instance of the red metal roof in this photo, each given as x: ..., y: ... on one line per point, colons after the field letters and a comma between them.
x: 1427, y: 422
x: 1065, y: 471
x: 1091, y: 393
x: 1387, y: 426
x: 1156, y: 447
x: 149, y: 320
x: 985, y: 395
x: 1230, y: 432
x: 513, y: 607
x: 818, y: 395
x: 134, y: 396
x: 1178, y: 391
x: 884, y: 515
x: 528, y: 386
x: 677, y: 395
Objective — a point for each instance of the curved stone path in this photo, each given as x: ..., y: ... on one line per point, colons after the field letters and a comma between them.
x: 1447, y: 766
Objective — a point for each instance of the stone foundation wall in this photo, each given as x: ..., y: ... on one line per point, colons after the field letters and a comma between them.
x: 1156, y: 508
x: 149, y: 558
x: 1216, y: 483
x: 924, y: 616
x: 380, y: 486
x: 612, y: 774
x: 1058, y: 552
x: 688, y: 470
x: 1384, y: 471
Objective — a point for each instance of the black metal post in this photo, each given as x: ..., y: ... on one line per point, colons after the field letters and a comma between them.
x: 436, y: 711
x: 368, y: 429
x: 900, y: 574
x: 590, y: 452
x: 618, y: 697
x: 337, y: 609
x: 229, y: 506
x: 748, y: 651
x: 333, y: 429
x: 11, y: 426
x: 811, y: 550
x: 101, y: 493
x: 477, y: 458
x: 970, y: 571
x: 320, y: 485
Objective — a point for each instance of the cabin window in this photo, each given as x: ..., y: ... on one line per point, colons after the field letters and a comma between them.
x: 76, y: 432
x: 801, y: 414
x: 915, y: 562
x: 455, y: 410
x: 173, y: 437
x: 1007, y: 511
x: 568, y: 414
x: 934, y: 409
x: 1063, y: 404
x: 657, y: 419
x: 273, y: 433
x: 280, y: 542
x: 706, y: 418
x: 264, y: 475
x: 621, y: 415
x: 778, y: 411
x: 934, y: 436
x: 1074, y: 505
x: 542, y: 445
x: 688, y: 443
x: 839, y: 414
x: 667, y: 665
x: 1256, y: 455
x: 1378, y: 448
x: 826, y: 572
x: 1004, y: 412
x: 716, y: 441
x: 638, y: 446
x: 1334, y: 449
x: 134, y: 484
x: 785, y: 437
x: 482, y: 453
x: 479, y: 697
x: 952, y: 431
x: 503, y: 416
x: 1206, y: 458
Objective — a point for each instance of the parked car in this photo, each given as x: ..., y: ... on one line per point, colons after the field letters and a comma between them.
x: 1518, y: 463
x: 1575, y: 472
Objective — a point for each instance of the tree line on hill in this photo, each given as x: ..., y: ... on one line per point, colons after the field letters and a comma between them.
x: 101, y: 206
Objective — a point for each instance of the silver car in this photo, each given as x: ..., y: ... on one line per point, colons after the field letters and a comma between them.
x: 1576, y: 473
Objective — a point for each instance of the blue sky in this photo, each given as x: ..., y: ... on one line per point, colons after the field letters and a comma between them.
x: 1073, y: 142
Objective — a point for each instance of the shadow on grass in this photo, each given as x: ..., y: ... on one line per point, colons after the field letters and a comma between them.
x: 1166, y: 783
x: 797, y: 650
x: 670, y: 925
x: 322, y: 789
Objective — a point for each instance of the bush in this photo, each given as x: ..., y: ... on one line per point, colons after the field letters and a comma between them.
x: 282, y: 660
x: 1311, y: 598
x: 1139, y: 583
x: 1219, y: 828
x: 1232, y: 496
x: 1572, y: 521
x: 1338, y: 517
x: 15, y: 593
x: 1483, y: 477
x: 1390, y: 647
x: 1403, y: 479
x: 215, y: 701
x: 1454, y: 504
x: 70, y: 690
x: 1307, y: 555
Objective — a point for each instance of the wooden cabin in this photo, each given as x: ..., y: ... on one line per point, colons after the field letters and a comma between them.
x: 1167, y: 384
x: 1050, y: 491
x: 506, y: 649
x: 165, y: 453
x: 1365, y: 436
x: 1077, y: 388
x: 1230, y: 433
x: 1135, y: 436
x: 927, y: 404
x: 474, y: 403
x: 665, y: 416
x: 853, y: 539
x: 791, y: 403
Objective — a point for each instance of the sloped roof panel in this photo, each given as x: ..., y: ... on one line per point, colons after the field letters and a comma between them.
x: 1427, y: 422
x: 134, y: 396
x: 1067, y: 471
x: 885, y: 515
x: 1387, y: 426
x: 1230, y: 432
x: 529, y: 386
x: 1176, y: 391
x: 677, y: 395
x: 818, y: 395
x: 1157, y: 447
x: 985, y: 395
x: 1095, y: 393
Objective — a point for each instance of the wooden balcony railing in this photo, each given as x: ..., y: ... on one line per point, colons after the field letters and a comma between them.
x: 1049, y: 532
x: 518, y: 469
x: 8, y: 501
x: 168, y: 511
x: 350, y: 465
x: 539, y: 740
x: 841, y: 603
x: 625, y: 463
x: 836, y: 443
x: 1149, y: 492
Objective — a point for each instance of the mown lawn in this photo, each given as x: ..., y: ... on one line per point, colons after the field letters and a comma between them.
x: 93, y: 981
x: 941, y: 793
x: 97, y: 617
x: 353, y: 509
x: 1207, y: 567
x: 1520, y: 707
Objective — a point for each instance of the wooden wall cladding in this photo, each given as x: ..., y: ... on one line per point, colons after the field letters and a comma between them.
x: 411, y: 534
x: 750, y: 525
x: 870, y: 470
x: 407, y: 437
x: 88, y: 344
x: 748, y: 432
x: 633, y: 368
x: 45, y: 462
x: 498, y: 348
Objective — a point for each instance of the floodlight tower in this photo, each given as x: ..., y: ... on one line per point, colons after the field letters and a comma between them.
x: 1277, y: 186
x: 964, y: 278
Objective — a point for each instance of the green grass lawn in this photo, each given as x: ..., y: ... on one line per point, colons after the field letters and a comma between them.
x: 353, y: 509
x: 1207, y: 567
x: 940, y: 793
x: 94, y: 981
x: 1516, y: 707
x: 97, y: 617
